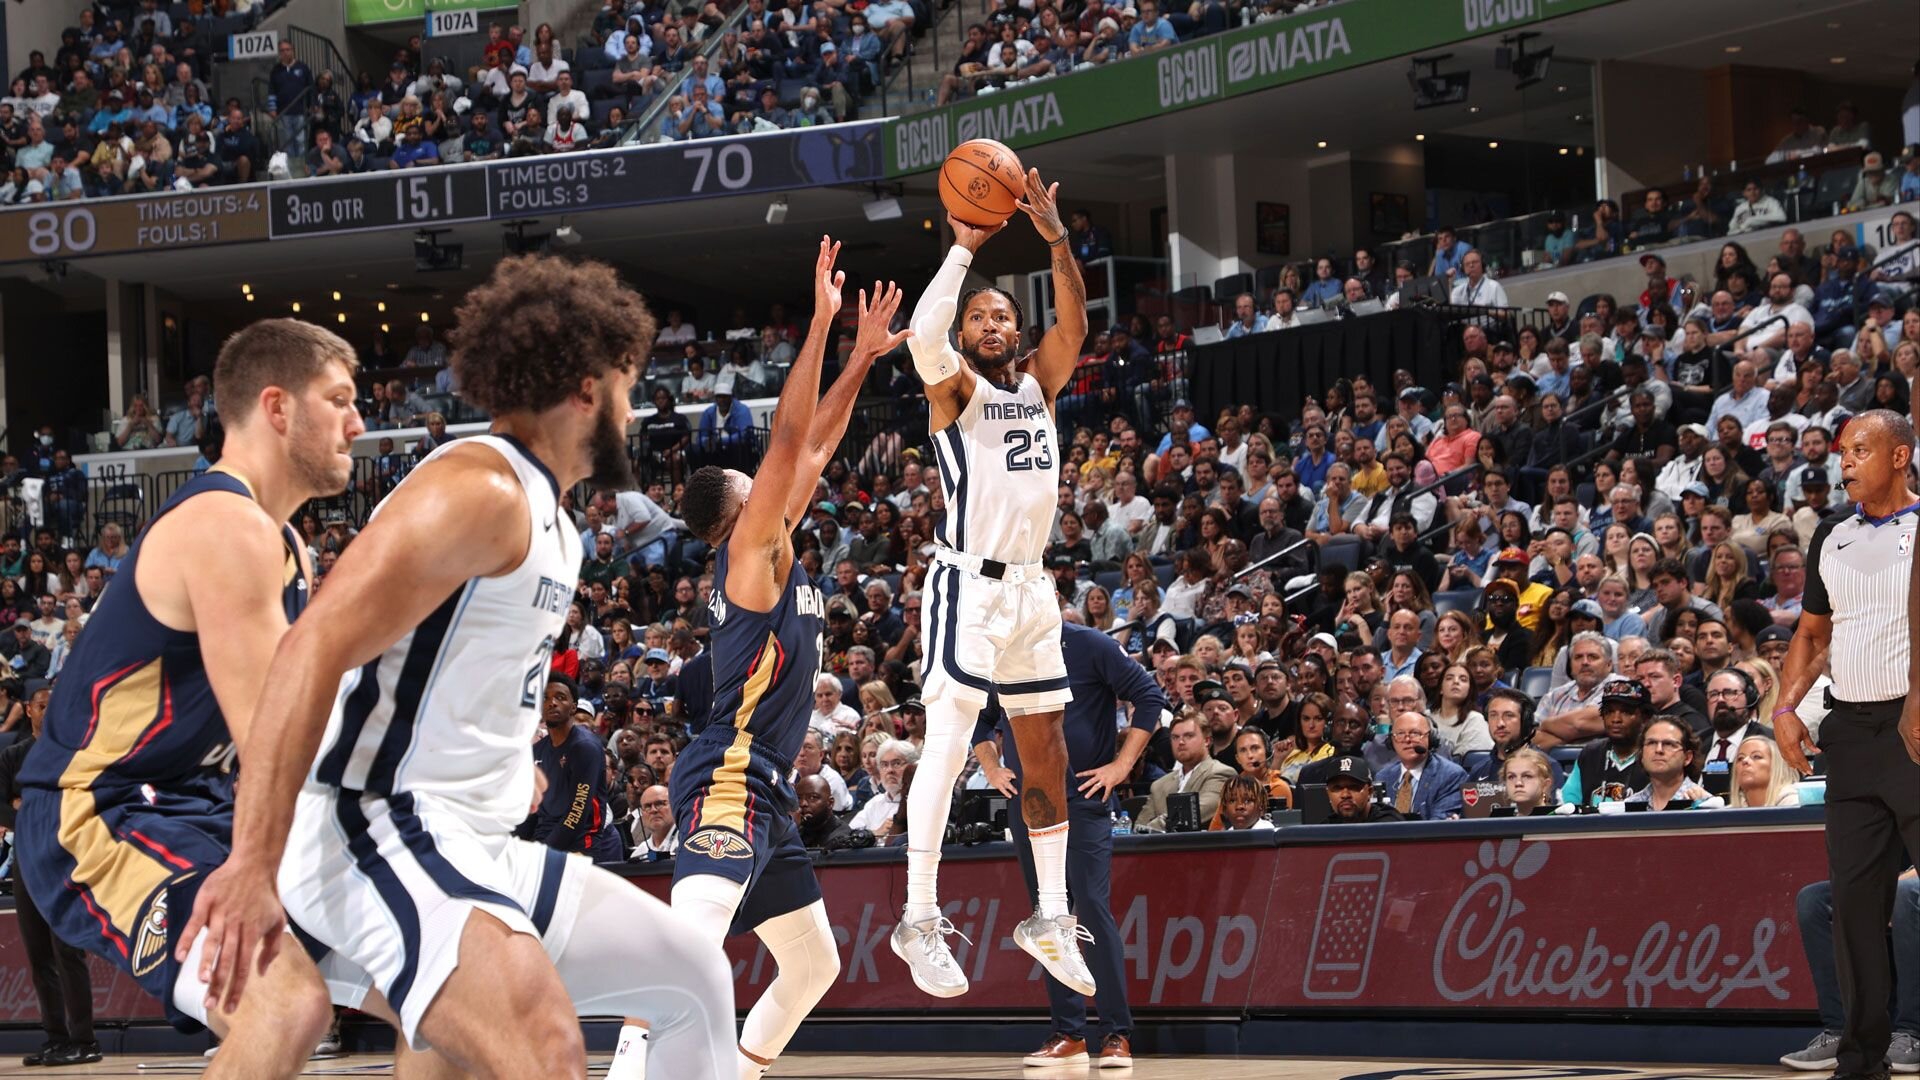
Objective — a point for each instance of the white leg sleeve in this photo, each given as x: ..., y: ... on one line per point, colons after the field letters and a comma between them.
x: 632, y: 956
x: 948, y: 727
x: 807, y: 961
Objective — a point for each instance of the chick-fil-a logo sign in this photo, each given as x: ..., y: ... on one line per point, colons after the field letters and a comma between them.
x: 1489, y: 951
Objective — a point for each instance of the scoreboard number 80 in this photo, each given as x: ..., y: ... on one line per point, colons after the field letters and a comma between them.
x: 55, y: 232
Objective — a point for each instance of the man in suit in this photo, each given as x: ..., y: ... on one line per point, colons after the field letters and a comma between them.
x: 1099, y: 759
x: 1195, y: 770
x: 1420, y: 784
x: 1731, y: 699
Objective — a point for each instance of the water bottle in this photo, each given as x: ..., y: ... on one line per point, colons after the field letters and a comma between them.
x: 1801, y: 181
x: 1122, y: 824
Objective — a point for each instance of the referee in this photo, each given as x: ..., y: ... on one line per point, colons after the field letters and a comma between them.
x: 1099, y: 673
x: 1855, y: 613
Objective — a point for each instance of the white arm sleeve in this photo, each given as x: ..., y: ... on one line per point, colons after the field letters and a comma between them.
x: 933, y: 358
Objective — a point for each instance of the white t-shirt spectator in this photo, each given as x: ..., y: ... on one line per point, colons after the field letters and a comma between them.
x: 880, y: 808
x: 1138, y: 510
x: 538, y: 72
x: 1277, y: 322
x: 1484, y: 293
x: 1022, y: 52
x: 633, y: 507
x: 581, y: 109
x: 843, y: 718
x: 697, y: 387
x: 573, y: 138
x: 670, y: 335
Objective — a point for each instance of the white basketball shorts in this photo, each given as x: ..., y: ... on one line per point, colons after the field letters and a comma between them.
x: 387, y: 884
x: 986, y: 636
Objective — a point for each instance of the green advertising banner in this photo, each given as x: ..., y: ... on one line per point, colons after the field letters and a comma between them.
x: 372, y: 12
x: 1242, y: 61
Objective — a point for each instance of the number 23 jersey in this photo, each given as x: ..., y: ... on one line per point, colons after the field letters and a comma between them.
x: 999, y: 473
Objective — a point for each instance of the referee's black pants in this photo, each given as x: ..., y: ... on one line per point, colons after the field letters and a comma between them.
x: 1873, y: 824
x: 59, y: 970
x: 1089, y: 890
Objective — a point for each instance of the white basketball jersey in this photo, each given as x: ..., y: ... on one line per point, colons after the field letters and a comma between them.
x: 450, y: 709
x: 1000, y: 473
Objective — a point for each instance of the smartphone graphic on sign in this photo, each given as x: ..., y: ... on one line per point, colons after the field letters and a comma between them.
x: 1345, y: 927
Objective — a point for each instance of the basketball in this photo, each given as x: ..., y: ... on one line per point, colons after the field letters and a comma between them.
x: 979, y: 182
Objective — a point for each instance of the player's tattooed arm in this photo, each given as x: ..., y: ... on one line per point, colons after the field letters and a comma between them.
x: 1053, y: 362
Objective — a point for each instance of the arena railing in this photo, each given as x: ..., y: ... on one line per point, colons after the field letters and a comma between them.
x: 639, y: 128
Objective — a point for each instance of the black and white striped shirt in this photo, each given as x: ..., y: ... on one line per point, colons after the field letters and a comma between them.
x: 1858, y: 568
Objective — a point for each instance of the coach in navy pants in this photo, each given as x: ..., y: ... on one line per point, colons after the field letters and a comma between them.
x: 1100, y: 674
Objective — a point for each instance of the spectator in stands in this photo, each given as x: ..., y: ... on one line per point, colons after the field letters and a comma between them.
x: 1745, y: 400
x: 1449, y: 251
x: 1670, y: 755
x: 1246, y: 317
x: 1349, y: 782
x: 1875, y: 187
x: 1802, y: 139
x: 1283, y: 317
x: 1325, y: 286
x: 291, y: 86
x: 1764, y: 346
x: 1570, y: 712
x: 890, y: 766
x: 1600, y: 239
x: 1652, y: 223
x: 1756, y: 210
x: 1473, y: 287
x: 1194, y: 770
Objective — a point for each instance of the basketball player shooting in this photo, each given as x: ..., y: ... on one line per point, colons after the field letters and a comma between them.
x: 993, y: 616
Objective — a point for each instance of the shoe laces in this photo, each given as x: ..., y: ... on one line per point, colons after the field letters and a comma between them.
x: 1071, y: 929
x: 933, y: 941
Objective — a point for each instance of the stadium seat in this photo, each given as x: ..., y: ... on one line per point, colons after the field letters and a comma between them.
x: 1107, y: 579
x: 1834, y: 188
x: 1473, y: 759
x: 1565, y: 755
x: 595, y: 80
x: 1535, y: 682
x: 1455, y: 600
x: 1163, y: 572
x: 1265, y: 280
x: 1347, y: 551
x: 1227, y: 288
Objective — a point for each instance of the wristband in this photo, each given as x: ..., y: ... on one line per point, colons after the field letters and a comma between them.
x: 1057, y: 243
x: 1782, y: 710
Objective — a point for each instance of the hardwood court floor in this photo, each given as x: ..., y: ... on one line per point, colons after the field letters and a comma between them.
x: 964, y: 1067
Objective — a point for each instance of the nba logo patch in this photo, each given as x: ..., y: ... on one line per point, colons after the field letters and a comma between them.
x: 150, y: 945
x: 1906, y: 544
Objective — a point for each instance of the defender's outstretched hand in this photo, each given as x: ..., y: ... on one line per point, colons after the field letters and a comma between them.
x: 876, y: 336
x: 1041, y: 206
x: 827, y: 282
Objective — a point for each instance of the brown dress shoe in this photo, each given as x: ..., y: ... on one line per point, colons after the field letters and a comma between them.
x: 1059, y: 1050
x: 1116, y: 1052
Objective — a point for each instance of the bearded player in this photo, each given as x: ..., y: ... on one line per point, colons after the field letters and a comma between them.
x: 992, y: 613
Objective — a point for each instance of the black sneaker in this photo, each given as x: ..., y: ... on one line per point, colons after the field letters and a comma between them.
x: 85, y: 1053
x: 39, y: 1057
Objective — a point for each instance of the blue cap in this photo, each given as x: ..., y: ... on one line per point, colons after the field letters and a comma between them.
x: 657, y: 654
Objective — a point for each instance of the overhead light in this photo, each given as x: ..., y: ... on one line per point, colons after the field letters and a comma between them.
x: 1836, y: 59
x: 382, y: 305
x: 777, y: 211
x: 1733, y: 48
x: 296, y: 307
x: 245, y: 288
x: 1493, y: 145
x: 1420, y: 137
x: 249, y: 298
x: 1833, y: 26
x: 926, y: 224
x: 1563, y: 151
x: 423, y: 316
x: 342, y: 317
x: 336, y: 296
x: 1433, y: 88
x: 385, y: 329
x: 1560, y: 89
x: 887, y: 209
x: 1322, y: 144
x: 1473, y: 108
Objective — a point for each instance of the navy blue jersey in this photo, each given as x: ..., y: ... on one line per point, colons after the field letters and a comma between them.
x: 133, y: 707
x: 126, y: 800
x: 573, y: 813
x: 764, y: 664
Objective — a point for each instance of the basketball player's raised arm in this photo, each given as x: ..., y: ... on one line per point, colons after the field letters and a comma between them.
x: 1053, y: 362
x: 760, y: 535
x: 948, y: 380
x: 399, y: 569
x: 874, y: 338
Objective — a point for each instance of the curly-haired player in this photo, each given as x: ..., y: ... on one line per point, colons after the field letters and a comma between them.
x: 397, y: 720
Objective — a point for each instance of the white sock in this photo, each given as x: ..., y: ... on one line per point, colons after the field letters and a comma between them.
x: 630, y: 1054
x: 928, y: 803
x: 1050, y: 867
x: 751, y: 1069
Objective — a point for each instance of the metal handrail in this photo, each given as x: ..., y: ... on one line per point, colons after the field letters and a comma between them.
x: 639, y: 126
x: 305, y: 41
x: 1288, y: 550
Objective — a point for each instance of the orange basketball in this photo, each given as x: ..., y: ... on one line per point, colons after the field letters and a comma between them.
x: 979, y: 182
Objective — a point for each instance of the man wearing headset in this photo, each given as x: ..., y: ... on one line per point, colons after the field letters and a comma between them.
x: 1510, y: 722
x: 1420, y: 784
x: 1731, y: 698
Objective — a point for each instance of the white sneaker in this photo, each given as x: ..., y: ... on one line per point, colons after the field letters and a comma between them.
x: 1055, y: 942
x: 924, y: 948
x: 1821, y: 1054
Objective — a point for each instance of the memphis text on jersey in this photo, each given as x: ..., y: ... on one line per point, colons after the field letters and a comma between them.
x: 552, y: 597
x: 1011, y: 410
